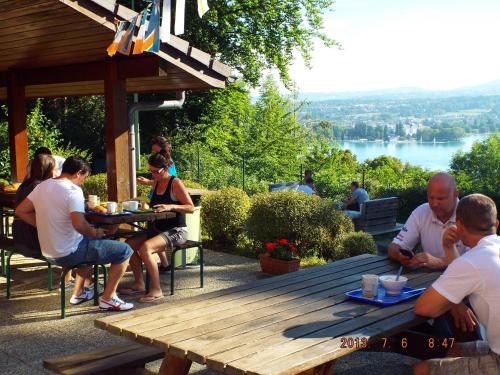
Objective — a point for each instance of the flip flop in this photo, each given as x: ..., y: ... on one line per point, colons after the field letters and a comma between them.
x: 147, y: 299
x: 130, y: 291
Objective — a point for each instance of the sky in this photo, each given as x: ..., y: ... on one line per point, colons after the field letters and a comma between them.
x: 430, y: 44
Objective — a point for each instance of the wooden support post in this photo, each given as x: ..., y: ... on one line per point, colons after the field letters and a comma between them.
x: 18, y: 135
x: 117, y: 138
x: 173, y: 365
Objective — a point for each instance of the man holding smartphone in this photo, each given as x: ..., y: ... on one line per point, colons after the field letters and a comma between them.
x: 426, y: 226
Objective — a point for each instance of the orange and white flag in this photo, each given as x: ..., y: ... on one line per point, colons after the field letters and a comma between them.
x: 113, y: 47
x: 139, y: 40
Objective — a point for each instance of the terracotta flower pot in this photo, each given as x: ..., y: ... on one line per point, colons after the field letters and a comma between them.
x: 278, y: 266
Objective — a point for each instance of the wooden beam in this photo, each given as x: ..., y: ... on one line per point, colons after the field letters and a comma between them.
x: 117, y: 139
x: 143, y: 66
x: 18, y: 134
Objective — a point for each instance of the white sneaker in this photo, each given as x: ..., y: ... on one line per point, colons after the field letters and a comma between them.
x: 115, y: 304
x: 85, y: 296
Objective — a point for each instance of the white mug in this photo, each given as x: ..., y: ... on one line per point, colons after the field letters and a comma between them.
x: 131, y: 205
x: 112, y: 207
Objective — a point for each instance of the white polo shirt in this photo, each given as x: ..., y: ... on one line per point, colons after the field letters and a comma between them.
x: 477, y: 274
x: 424, y: 227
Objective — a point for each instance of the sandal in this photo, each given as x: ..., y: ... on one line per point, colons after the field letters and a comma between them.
x: 147, y: 299
x: 129, y: 291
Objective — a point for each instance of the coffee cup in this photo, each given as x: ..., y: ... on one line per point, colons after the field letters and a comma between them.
x: 131, y: 205
x: 369, y: 286
x: 112, y: 207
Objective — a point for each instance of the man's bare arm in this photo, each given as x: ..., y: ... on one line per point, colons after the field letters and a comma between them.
x: 82, y: 226
x: 432, y: 304
x: 26, y: 212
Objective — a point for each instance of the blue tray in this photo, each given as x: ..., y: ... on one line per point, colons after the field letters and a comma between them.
x: 383, y: 299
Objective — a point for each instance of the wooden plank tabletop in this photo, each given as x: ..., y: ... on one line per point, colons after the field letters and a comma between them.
x: 280, y: 325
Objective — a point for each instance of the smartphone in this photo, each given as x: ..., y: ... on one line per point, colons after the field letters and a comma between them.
x: 407, y: 253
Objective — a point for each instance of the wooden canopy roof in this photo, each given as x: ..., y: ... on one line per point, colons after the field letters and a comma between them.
x: 58, y: 48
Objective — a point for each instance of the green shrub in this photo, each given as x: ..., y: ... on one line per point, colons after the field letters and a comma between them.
x: 309, y: 221
x: 224, y: 214
x: 355, y: 243
x: 96, y: 184
x: 311, y: 261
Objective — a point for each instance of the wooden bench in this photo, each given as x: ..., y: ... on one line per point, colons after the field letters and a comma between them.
x: 378, y: 216
x: 120, y: 359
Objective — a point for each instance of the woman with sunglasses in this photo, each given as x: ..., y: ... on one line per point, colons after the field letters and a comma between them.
x: 169, y: 194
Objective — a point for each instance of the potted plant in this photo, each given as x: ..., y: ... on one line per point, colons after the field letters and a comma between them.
x: 279, y: 257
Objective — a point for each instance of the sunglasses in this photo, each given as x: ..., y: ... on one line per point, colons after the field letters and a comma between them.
x: 156, y: 171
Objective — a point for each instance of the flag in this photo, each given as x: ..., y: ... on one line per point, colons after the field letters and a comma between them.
x: 202, y: 7
x: 112, y: 48
x: 152, y: 37
x: 139, y: 40
x: 126, y: 41
x: 180, y: 6
x: 165, y: 21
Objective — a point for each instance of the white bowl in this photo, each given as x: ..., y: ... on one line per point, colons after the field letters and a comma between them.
x: 391, y: 286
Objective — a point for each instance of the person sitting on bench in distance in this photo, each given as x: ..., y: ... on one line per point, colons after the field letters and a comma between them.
x: 356, y: 199
x: 56, y: 207
x: 476, y: 275
x: 169, y: 194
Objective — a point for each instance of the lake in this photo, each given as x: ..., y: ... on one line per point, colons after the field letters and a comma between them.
x: 434, y: 156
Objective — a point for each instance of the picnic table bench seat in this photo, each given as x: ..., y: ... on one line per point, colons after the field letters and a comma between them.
x: 128, y: 358
x: 378, y: 216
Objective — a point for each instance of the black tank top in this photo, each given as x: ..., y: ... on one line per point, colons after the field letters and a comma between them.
x: 180, y: 217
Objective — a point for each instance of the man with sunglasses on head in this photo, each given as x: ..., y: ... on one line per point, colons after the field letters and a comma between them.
x: 56, y: 207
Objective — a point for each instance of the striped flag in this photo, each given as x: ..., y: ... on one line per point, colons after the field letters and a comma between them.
x: 126, y: 41
x: 139, y: 40
x: 152, y: 37
x: 202, y: 7
x: 113, y: 47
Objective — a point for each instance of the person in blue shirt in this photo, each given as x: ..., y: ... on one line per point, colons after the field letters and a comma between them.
x: 357, y: 198
x: 161, y: 145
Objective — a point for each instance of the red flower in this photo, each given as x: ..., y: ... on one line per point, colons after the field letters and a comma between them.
x: 270, y: 246
x: 293, y: 248
x: 283, y: 241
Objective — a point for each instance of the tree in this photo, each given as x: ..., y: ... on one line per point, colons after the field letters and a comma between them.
x: 252, y: 36
x: 480, y: 167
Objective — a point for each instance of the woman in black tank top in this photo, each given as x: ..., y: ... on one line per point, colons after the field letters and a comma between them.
x: 169, y: 194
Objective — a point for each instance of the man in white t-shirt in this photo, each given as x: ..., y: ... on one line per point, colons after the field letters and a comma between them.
x: 476, y: 275
x: 57, y: 208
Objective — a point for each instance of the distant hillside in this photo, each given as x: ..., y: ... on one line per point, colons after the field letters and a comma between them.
x: 489, y: 88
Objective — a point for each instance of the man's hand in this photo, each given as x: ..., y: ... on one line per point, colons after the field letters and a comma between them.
x: 427, y: 260
x: 464, y: 317
x: 397, y: 256
x: 450, y: 238
x: 99, y: 233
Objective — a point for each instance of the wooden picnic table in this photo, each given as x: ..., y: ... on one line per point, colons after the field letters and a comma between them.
x: 288, y: 324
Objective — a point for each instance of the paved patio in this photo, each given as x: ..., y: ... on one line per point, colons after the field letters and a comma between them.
x: 30, y: 328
